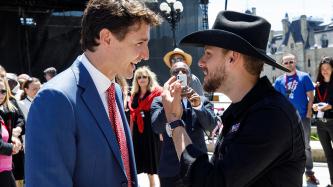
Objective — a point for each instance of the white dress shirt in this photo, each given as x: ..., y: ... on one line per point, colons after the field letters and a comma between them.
x: 101, y: 82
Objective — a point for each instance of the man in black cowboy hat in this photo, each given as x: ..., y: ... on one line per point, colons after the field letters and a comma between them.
x: 262, y: 142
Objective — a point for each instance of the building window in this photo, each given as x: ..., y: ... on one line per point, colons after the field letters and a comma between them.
x: 324, y: 41
x: 309, y: 63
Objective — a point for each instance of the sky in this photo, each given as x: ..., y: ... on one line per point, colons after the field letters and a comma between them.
x: 275, y: 10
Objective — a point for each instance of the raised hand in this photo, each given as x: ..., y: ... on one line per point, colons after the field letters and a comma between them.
x: 171, y: 99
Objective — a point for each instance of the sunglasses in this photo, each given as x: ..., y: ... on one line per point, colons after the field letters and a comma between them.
x: 288, y: 62
x: 3, y: 91
x: 177, y: 59
x: 142, y: 77
x: 176, y: 71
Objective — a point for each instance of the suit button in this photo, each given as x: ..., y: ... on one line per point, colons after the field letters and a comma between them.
x: 124, y: 184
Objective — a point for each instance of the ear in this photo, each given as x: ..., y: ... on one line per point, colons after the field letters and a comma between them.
x: 105, y: 37
x: 234, y: 57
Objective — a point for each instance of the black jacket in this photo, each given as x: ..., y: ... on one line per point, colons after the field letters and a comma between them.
x: 261, y: 144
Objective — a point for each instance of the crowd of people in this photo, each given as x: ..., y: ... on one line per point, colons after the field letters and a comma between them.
x: 16, y: 95
x: 87, y: 127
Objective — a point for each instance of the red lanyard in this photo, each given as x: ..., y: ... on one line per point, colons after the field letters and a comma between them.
x: 321, y: 97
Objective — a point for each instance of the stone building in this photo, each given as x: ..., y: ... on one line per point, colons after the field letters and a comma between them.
x: 305, y: 37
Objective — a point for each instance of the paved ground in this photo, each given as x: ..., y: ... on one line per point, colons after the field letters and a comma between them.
x: 321, y: 172
x: 320, y: 169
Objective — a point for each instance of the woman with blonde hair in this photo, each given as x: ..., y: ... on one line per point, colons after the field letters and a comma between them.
x: 8, y: 145
x: 146, y: 143
x: 14, y: 119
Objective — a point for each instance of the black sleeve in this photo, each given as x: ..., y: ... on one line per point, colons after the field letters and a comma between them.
x: 5, y: 148
x: 19, y: 117
x: 157, y: 114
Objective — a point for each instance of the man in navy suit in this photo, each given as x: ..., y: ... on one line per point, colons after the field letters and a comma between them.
x: 198, y: 115
x: 71, y: 137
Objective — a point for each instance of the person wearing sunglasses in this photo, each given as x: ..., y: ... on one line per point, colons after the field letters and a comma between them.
x: 9, y: 145
x: 13, y: 117
x: 298, y: 88
x: 198, y: 116
x: 146, y: 143
x: 178, y: 55
x: 323, y: 102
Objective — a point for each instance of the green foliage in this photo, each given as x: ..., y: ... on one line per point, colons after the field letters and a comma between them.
x: 314, y: 136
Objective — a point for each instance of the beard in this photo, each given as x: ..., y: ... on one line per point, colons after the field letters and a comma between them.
x: 214, y: 79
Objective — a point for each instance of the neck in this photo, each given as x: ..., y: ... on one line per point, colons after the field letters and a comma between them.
x: 326, y: 79
x: 244, y: 85
x: 291, y: 73
x: 97, y: 59
x: 143, y: 91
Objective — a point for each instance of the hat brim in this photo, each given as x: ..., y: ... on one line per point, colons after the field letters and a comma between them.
x: 166, y: 58
x: 228, y: 40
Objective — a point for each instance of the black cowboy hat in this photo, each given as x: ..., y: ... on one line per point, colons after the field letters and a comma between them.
x: 239, y: 32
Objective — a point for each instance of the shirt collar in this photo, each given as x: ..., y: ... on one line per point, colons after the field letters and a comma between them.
x: 235, y: 111
x: 101, y: 81
x: 29, y: 98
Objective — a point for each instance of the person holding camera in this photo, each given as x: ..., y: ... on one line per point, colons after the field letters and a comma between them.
x: 261, y: 143
x: 198, y: 116
x: 322, y: 105
x: 178, y: 55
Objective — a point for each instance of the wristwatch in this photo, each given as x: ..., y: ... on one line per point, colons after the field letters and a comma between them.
x: 171, y: 126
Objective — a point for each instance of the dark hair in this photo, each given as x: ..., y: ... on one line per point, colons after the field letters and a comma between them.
x: 324, y: 60
x: 26, y: 84
x: 52, y: 71
x: 114, y: 15
x: 253, y: 65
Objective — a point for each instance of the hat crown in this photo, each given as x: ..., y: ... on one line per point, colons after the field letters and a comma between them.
x: 253, y: 29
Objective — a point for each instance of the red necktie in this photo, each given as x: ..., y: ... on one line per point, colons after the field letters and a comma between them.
x: 118, y: 129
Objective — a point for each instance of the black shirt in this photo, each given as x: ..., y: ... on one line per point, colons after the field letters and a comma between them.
x: 261, y: 145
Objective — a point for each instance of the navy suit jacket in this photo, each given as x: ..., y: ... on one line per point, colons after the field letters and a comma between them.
x: 197, y: 121
x: 69, y: 138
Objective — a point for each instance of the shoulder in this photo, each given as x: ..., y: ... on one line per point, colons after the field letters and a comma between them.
x: 303, y: 75
x: 279, y: 107
x: 279, y: 79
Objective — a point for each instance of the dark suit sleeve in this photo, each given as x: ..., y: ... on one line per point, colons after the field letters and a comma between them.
x: 196, y: 85
x: 20, y: 121
x: 5, y: 148
x: 256, y: 148
x: 206, y: 116
x: 50, y: 141
x: 158, y: 118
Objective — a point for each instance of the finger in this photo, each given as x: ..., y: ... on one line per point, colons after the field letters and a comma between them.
x: 169, y: 82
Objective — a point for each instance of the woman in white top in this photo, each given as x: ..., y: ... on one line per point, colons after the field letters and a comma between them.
x: 30, y: 89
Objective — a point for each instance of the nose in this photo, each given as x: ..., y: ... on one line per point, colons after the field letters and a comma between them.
x: 145, y: 53
x: 201, y: 62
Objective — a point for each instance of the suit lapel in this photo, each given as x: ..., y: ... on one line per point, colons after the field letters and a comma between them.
x: 94, y: 103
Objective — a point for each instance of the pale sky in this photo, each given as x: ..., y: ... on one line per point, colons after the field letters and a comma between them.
x: 274, y: 10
